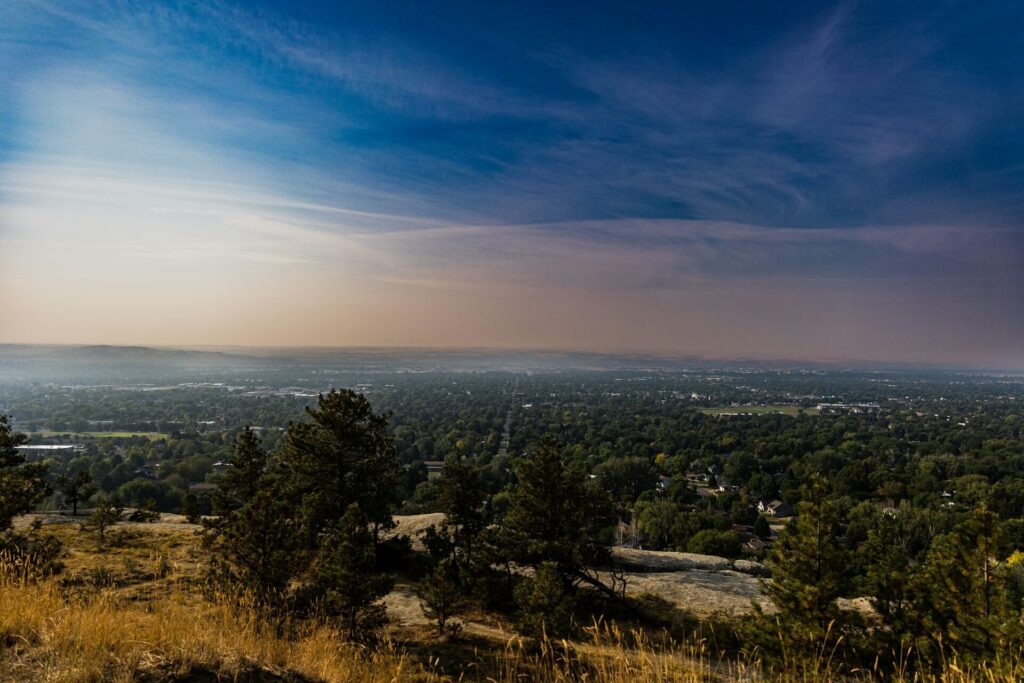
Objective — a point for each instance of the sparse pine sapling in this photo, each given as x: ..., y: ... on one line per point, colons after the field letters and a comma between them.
x: 104, y: 515
x: 441, y: 596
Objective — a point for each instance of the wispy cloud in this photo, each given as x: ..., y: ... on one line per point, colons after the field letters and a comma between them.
x: 426, y: 162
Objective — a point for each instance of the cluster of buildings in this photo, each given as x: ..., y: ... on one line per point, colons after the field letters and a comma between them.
x: 848, y: 407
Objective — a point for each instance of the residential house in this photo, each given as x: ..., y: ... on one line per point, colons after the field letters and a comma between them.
x: 775, y: 508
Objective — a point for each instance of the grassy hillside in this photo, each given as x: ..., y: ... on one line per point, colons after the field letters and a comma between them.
x: 137, y: 611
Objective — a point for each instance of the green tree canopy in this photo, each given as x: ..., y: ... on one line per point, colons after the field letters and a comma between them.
x: 22, y: 484
x: 556, y: 516
x: 810, y: 571
x: 343, y: 456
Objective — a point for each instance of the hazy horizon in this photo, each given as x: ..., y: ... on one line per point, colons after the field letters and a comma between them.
x: 823, y: 183
x: 572, y: 356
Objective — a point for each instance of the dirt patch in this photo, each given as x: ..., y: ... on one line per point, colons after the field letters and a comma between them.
x: 165, y: 522
x: 404, y: 607
x: 414, y: 526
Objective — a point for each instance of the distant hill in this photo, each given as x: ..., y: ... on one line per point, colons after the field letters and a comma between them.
x: 103, y: 364
x: 118, y: 354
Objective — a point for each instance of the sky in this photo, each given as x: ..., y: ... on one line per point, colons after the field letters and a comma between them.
x: 760, y: 180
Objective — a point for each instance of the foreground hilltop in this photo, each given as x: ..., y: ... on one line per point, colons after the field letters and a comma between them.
x: 138, y: 609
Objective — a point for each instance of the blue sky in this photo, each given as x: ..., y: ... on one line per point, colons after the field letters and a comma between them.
x: 786, y: 180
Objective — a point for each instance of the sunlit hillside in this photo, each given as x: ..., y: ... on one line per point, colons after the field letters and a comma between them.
x: 137, y: 610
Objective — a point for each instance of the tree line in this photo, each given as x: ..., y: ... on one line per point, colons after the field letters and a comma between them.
x: 305, y: 530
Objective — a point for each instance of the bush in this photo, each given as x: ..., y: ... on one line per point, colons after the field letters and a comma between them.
x: 711, y: 542
x: 546, y: 608
x: 31, y: 555
x: 190, y: 508
x: 104, y: 515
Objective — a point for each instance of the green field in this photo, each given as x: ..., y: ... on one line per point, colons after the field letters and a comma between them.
x: 758, y: 410
x: 152, y: 436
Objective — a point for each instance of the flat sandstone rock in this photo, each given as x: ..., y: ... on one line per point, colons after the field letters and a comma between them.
x: 661, y: 561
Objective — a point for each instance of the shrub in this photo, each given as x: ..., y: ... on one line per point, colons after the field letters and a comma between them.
x: 546, y: 607
x: 712, y: 542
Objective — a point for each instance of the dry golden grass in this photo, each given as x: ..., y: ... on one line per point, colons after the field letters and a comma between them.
x: 134, y: 612
x: 51, y: 636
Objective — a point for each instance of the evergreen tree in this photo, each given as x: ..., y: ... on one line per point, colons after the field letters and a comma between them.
x: 344, y: 456
x: 461, y: 497
x: 555, y: 516
x: 344, y: 581
x: 76, y: 489
x: 762, y: 529
x: 190, y: 508
x: 22, y: 485
x: 965, y: 586
x: 298, y: 518
x: 810, y: 571
x: 892, y: 581
x: 441, y: 595
x: 106, y: 513
x: 545, y: 607
x: 241, y: 481
x: 257, y: 553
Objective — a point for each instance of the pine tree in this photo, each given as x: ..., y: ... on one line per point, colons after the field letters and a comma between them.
x: 965, y: 589
x: 22, y: 485
x: 240, y: 482
x: 257, y: 553
x: 441, y: 596
x: 298, y: 518
x: 555, y: 516
x: 344, y: 581
x: 810, y: 571
x: 190, y: 508
x: 762, y: 529
x: 461, y: 497
x: 76, y: 489
x: 545, y: 607
x: 891, y: 581
x: 344, y: 456
x: 106, y: 513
